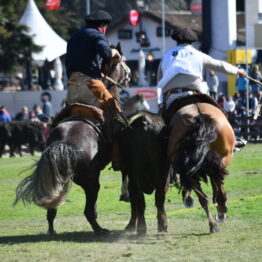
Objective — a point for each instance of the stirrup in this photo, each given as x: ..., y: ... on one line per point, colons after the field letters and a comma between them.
x: 240, y: 143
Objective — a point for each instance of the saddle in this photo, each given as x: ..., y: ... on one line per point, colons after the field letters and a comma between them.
x: 187, y: 100
x: 89, y: 111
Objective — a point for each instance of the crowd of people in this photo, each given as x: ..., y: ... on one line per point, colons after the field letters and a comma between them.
x: 236, y: 105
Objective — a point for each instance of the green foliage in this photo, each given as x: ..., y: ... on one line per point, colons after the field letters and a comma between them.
x: 16, y: 46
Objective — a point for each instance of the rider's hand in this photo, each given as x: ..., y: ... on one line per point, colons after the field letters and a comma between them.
x: 241, y: 72
x: 115, y: 55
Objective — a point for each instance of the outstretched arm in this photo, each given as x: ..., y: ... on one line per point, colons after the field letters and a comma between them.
x: 221, y: 66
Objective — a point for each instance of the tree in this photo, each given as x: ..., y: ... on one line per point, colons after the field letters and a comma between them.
x: 16, y: 46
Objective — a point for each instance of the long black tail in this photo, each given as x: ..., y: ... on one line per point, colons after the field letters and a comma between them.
x: 48, y: 184
x: 194, y: 158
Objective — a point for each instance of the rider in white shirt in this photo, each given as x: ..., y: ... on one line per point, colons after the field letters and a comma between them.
x: 181, y: 67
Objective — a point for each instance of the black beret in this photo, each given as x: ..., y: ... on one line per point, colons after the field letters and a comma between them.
x: 184, y: 35
x: 99, y: 16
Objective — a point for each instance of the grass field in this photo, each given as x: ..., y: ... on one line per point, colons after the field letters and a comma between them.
x: 23, y: 230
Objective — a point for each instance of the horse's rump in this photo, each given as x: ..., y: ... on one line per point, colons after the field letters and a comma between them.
x: 189, y: 100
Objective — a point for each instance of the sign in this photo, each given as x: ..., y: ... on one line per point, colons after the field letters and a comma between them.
x: 147, y: 93
x: 133, y: 17
x: 52, y: 4
x: 196, y: 7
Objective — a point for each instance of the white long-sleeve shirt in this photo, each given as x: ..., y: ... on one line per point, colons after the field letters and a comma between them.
x: 194, y: 82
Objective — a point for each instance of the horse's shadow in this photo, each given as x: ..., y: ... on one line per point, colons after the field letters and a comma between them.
x: 81, y: 237
x: 78, y: 237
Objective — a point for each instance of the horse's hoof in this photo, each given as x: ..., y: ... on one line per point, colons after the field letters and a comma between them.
x: 221, y: 217
x: 124, y: 198
x: 188, y: 202
x: 130, y: 228
x: 51, y: 232
x: 102, y: 232
x: 214, y: 228
x: 141, y: 232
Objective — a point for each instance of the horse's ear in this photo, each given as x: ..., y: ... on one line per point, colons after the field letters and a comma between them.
x: 118, y: 47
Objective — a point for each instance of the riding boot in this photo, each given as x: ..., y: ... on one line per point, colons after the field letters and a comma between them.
x: 114, y: 115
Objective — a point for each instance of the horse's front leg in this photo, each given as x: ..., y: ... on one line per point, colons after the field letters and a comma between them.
x: 91, y: 192
x: 161, y: 213
x: 141, y: 222
x: 203, y: 199
x: 134, y: 208
x: 219, y: 199
x: 51, y: 214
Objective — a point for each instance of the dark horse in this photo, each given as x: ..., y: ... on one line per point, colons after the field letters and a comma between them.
x: 144, y: 161
x: 76, y: 150
x: 201, y: 144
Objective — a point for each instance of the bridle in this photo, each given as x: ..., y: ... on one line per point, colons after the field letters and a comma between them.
x: 124, y: 79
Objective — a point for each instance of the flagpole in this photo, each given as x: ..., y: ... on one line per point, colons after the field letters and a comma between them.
x: 163, y: 27
x: 87, y: 7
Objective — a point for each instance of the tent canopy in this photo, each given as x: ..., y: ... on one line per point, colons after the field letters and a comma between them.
x: 43, y: 35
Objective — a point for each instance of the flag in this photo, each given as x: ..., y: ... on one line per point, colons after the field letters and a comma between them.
x: 52, y: 4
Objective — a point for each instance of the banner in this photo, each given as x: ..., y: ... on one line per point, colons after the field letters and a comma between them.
x: 53, y: 4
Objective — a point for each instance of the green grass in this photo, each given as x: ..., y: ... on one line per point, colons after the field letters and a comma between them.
x: 23, y: 230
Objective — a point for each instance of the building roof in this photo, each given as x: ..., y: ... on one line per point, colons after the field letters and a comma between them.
x: 173, y: 19
x: 186, y: 18
x: 43, y: 35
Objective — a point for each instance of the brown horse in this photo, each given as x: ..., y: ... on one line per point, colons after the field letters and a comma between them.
x: 201, y: 143
x: 76, y: 151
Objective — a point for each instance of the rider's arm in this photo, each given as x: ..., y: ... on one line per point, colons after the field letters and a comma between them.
x: 102, y: 47
x: 219, y: 66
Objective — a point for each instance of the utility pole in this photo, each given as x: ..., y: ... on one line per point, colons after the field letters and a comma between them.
x: 87, y: 7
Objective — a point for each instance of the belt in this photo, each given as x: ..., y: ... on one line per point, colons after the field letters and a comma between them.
x: 179, y: 90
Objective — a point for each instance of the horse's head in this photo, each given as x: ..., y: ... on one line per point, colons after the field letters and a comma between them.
x: 135, y: 104
x: 117, y: 73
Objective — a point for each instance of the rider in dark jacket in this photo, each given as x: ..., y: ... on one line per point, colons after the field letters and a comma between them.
x: 85, y: 50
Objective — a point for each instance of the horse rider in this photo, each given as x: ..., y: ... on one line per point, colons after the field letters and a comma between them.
x: 85, y: 50
x: 181, y: 68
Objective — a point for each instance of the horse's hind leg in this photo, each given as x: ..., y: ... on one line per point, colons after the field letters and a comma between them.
x: 204, y: 203
x: 219, y: 199
x: 51, y: 214
x: 187, y: 198
x: 161, y: 213
x: 91, y: 193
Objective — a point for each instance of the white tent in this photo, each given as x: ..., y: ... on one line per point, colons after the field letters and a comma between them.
x: 43, y: 35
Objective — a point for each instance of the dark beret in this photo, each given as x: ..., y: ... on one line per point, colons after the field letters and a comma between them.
x: 99, y: 16
x: 184, y: 35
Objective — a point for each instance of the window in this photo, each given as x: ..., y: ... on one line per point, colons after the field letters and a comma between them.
x: 159, y: 31
x: 125, y: 34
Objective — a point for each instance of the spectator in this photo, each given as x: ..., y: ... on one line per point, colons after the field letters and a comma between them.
x: 253, y: 103
x: 23, y: 115
x: 242, y: 86
x: 213, y: 83
x: 4, y: 115
x: 47, y: 106
x: 255, y: 88
x: 229, y: 105
x: 221, y: 100
x: 37, y: 114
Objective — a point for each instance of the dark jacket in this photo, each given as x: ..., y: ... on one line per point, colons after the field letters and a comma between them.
x: 84, y: 49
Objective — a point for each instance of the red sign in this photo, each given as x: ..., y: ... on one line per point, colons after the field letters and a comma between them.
x: 147, y: 93
x: 196, y: 7
x: 133, y: 17
x: 52, y: 4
